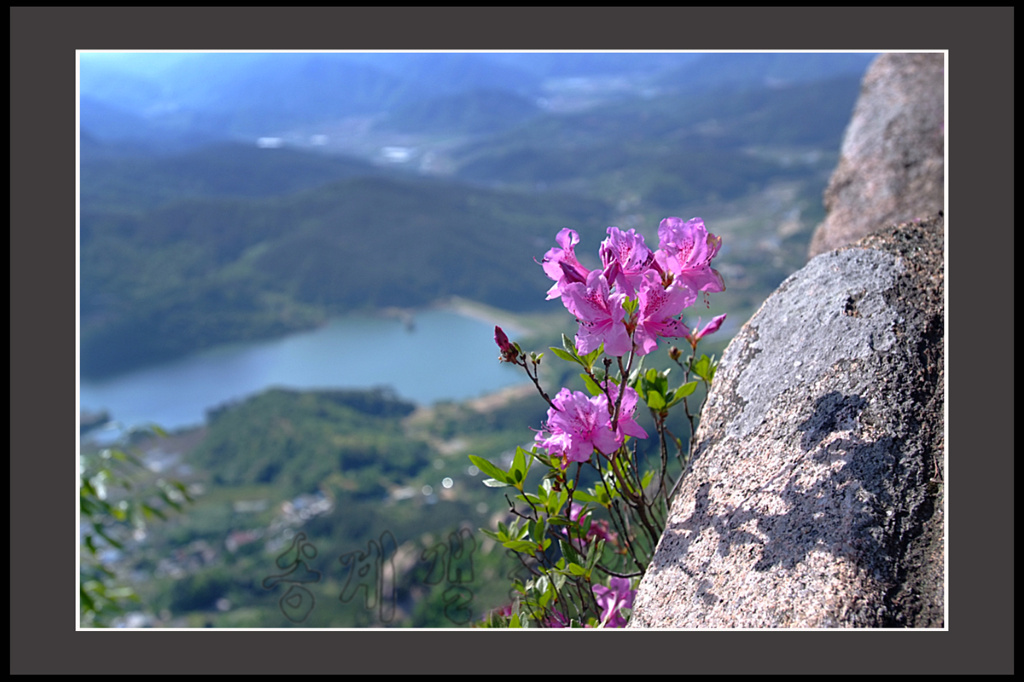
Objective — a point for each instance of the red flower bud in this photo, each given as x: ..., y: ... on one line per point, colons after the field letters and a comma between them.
x: 509, y: 353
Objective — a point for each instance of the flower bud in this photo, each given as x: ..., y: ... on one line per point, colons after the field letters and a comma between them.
x: 710, y: 328
x: 509, y: 353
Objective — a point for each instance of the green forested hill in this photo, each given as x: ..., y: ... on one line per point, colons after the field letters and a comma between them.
x: 164, y: 281
x: 297, y: 440
x: 114, y: 178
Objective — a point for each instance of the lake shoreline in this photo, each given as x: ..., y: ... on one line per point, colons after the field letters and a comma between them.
x: 482, y: 312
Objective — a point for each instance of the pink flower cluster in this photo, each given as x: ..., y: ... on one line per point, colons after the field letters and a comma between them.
x: 662, y: 283
x: 578, y: 424
x: 612, y: 599
x: 599, y: 529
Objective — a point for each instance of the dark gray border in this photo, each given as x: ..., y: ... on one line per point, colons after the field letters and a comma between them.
x: 980, y: 125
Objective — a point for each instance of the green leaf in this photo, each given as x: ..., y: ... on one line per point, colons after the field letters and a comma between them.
x: 655, y: 401
x: 562, y: 354
x: 559, y: 580
x: 87, y: 603
x: 495, y: 483
x: 576, y: 569
x: 148, y: 511
x: 601, y: 494
x: 491, y: 534
x: 521, y: 546
x: 592, y: 386
x: 594, y: 554
x: 646, y: 478
x: 660, y: 382
x: 568, y: 550
x: 569, y: 346
x: 563, y: 497
x: 685, y: 390
x: 676, y: 396
x: 516, y: 531
x: 167, y: 498
x: 702, y: 368
x: 520, y: 467
x: 581, y: 496
x: 589, y: 358
x: 489, y: 469
x: 87, y: 489
x: 537, y: 529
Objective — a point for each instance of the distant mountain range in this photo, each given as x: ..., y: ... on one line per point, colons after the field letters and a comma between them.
x: 246, y: 95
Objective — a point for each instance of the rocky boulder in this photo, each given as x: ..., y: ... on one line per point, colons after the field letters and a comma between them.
x: 815, y: 497
x: 891, y: 166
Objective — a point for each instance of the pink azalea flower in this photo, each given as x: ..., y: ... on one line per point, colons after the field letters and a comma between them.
x: 600, y: 314
x: 561, y: 265
x: 686, y: 250
x: 612, y: 599
x: 576, y: 426
x: 657, y: 312
x: 628, y: 250
x: 502, y: 611
x: 598, y: 530
x: 626, y: 425
x: 574, y: 515
x: 556, y: 620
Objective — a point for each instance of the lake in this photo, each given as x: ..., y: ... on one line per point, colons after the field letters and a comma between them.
x: 441, y: 355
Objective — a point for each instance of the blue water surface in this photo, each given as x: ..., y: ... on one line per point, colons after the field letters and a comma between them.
x: 434, y: 355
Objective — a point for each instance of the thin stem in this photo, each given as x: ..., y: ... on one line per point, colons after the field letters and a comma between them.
x: 614, y: 574
x: 536, y: 381
x: 623, y: 526
x: 623, y: 376
x: 659, y: 423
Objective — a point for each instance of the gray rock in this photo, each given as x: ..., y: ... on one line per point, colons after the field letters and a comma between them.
x: 891, y: 166
x: 814, y: 499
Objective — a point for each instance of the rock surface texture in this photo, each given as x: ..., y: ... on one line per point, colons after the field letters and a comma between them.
x: 891, y: 165
x: 815, y: 497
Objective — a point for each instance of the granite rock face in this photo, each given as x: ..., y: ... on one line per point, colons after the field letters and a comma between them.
x: 891, y: 166
x: 814, y: 499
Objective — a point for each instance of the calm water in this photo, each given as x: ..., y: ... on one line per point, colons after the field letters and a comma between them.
x: 445, y: 356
